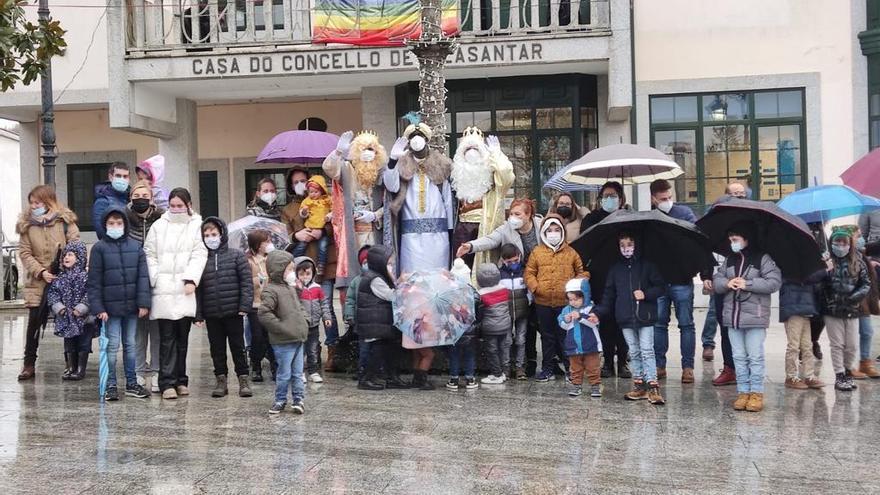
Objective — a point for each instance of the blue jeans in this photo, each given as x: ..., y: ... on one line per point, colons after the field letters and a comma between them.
x: 683, y: 298
x: 463, y: 358
x: 290, y: 359
x: 331, y: 333
x: 641, y: 353
x: 865, y: 334
x: 710, y: 326
x: 748, y: 358
x: 124, y: 329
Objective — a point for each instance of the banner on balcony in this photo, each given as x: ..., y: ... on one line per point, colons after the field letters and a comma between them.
x: 374, y: 22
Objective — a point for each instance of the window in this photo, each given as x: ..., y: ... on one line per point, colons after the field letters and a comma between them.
x: 209, y: 203
x: 81, y: 181
x: 756, y: 137
x: 874, y: 100
x: 312, y: 124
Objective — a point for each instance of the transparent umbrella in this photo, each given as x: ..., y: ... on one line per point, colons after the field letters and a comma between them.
x: 433, y: 308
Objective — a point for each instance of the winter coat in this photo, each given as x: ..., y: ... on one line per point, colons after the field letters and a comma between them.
x: 316, y: 304
x: 39, y: 244
x: 871, y: 304
x: 625, y: 277
x: 259, y: 208
x: 375, y: 317
x: 175, y: 255
x: 844, y: 293
x: 349, y: 309
x: 505, y: 234
x: 290, y: 216
x: 549, y: 269
x: 681, y: 212
x: 139, y: 225
x: 580, y: 336
x: 259, y: 276
x: 799, y: 298
x: 750, y: 307
x: 494, y: 314
x: 105, y: 198
x: 226, y: 288
x: 572, y: 222
x: 869, y: 224
x: 68, y: 292
x: 281, y: 312
x: 520, y: 298
x: 155, y: 168
x: 119, y: 282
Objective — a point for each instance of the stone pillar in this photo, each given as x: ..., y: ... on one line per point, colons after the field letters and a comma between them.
x: 378, y: 113
x: 29, y: 155
x: 182, y: 152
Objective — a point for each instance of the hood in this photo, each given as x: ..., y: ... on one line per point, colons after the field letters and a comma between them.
x: 287, y: 178
x: 377, y: 261
x: 105, y: 190
x: 319, y: 181
x: 221, y: 226
x: 488, y: 275
x: 552, y: 219
x: 25, y: 220
x: 299, y: 260
x: 125, y: 221
x: 276, y: 263
x: 154, y: 166
x: 79, y: 249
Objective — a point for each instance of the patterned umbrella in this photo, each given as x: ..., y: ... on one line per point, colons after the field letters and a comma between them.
x: 103, y: 362
x: 433, y: 308
x: 239, y: 230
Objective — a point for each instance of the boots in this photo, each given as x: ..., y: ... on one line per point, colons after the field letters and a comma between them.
x: 654, y: 396
x: 742, y: 401
x: 27, y: 373
x: 756, y: 402
x: 726, y: 377
x: 638, y: 391
x: 421, y: 381
x: 857, y: 374
x: 83, y: 361
x: 220, y: 389
x: 623, y: 369
x: 866, y: 366
x: 330, y: 365
x: 71, y: 359
x: 607, y: 368
x: 244, y: 388
x: 395, y: 382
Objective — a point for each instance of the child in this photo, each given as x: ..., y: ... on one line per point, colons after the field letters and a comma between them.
x: 520, y: 300
x: 281, y: 313
x: 224, y: 296
x: 797, y: 306
x: 68, y: 300
x: 746, y: 279
x: 845, y: 287
x: 630, y: 296
x: 316, y: 306
x: 463, y: 354
x: 349, y: 312
x: 259, y: 247
x: 550, y: 266
x: 152, y: 170
x: 494, y: 316
x: 119, y: 294
x: 582, y: 344
x: 314, y: 210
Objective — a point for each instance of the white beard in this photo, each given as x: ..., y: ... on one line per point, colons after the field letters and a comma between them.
x: 471, y: 181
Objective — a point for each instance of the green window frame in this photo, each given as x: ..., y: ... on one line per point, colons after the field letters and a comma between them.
x: 755, y: 136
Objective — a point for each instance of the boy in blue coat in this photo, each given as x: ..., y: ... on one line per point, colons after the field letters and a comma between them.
x: 119, y: 294
x: 581, y: 344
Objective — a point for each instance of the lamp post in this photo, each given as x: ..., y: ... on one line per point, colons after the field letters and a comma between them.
x: 47, y: 118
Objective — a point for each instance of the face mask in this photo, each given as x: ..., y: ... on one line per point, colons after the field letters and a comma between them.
x: 365, y: 266
x: 515, y: 222
x: 212, y: 242
x: 368, y: 155
x: 119, y: 184
x: 610, y: 204
x: 839, y: 251
x: 665, y: 206
x: 290, y: 279
x: 38, y: 212
x: 628, y: 252
x: 564, y: 211
x: 514, y: 266
x: 417, y: 143
x: 299, y: 188
x: 472, y: 156
x: 268, y: 198
x: 269, y: 248
x: 178, y: 211
x: 115, y: 232
x: 140, y: 205
x: 554, y: 238
x: 860, y: 243
x: 736, y: 246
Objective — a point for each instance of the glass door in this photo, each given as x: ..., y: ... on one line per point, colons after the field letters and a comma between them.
x: 779, y: 169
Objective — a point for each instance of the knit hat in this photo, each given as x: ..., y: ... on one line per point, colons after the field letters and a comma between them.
x: 842, y: 231
x: 460, y: 271
x: 141, y: 184
x: 488, y: 275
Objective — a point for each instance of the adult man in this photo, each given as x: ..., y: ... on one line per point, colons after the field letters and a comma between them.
x: 481, y: 178
x: 110, y: 194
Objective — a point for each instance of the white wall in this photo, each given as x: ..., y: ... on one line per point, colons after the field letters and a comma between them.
x: 10, y: 199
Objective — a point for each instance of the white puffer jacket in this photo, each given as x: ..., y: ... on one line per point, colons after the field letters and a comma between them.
x: 175, y: 252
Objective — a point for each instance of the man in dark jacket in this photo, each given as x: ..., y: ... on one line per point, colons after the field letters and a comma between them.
x: 119, y: 294
x: 110, y: 194
x: 224, y: 296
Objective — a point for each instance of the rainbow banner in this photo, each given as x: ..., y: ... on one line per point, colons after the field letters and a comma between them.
x: 374, y: 22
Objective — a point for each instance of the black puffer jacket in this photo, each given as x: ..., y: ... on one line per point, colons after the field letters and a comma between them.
x: 843, y: 292
x: 118, y: 282
x: 375, y: 316
x: 625, y: 277
x: 800, y: 298
x: 140, y: 225
x: 227, y: 286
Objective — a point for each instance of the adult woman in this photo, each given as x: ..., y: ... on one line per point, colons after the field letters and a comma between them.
x: 572, y: 215
x: 44, y: 229
x: 611, y: 199
x: 263, y: 204
x: 259, y: 246
x: 142, y: 214
x: 176, y: 257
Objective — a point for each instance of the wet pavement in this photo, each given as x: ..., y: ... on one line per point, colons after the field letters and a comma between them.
x: 523, y: 437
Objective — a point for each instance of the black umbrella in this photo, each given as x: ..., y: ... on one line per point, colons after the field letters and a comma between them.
x: 43, y: 309
x: 677, y: 247
x: 785, y: 237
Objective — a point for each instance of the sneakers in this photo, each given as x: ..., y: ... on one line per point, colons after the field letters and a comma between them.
x: 849, y: 375
x: 654, y: 396
x: 708, y: 353
x: 638, y: 391
x: 370, y: 385
x: 545, y: 376
x: 687, y: 375
x: 742, y: 400
x: 596, y: 390
x: 111, y: 394
x: 493, y: 380
x: 842, y: 383
x: 756, y: 402
x: 257, y: 376
x: 182, y: 390
x: 277, y: 407
x: 452, y: 384
x: 471, y: 383
x: 726, y: 377
x: 137, y: 391
x: 169, y: 394
x: 298, y: 407
x: 520, y: 374
x: 574, y: 391
x: 661, y: 373
x: 316, y: 378
x: 796, y: 383
x: 814, y: 383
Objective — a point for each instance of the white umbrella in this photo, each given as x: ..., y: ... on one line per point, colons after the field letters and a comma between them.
x: 627, y: 163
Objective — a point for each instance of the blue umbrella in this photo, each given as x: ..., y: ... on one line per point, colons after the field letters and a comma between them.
x: 103, y: 362
x: 557, y: 183
x: 823, y: 203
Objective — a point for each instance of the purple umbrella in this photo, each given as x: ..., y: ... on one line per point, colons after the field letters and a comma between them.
x: 864, y: 175
x: 298, y: 147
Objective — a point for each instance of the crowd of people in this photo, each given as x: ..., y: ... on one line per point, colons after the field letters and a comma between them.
x: 159, y: 268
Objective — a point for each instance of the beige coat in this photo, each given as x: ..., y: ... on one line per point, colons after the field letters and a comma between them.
x: 38, y: 245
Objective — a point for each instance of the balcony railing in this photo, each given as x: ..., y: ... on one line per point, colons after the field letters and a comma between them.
x: 198, y: 25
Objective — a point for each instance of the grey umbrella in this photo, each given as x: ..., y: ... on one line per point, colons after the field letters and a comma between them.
x: 628, y: 163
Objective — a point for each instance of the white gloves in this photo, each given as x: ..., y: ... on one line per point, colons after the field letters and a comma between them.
x: 344, y: 143
x: 493, y: 144
x: 365, y: 217
x: 398, y: 149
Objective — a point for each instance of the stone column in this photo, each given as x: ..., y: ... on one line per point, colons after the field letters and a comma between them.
x: 182, y: 152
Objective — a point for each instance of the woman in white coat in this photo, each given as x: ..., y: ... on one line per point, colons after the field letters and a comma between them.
x: 176, y: 257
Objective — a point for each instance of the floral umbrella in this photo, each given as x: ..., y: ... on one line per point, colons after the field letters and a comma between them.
x: 433, y: 308
x: 239, y: 230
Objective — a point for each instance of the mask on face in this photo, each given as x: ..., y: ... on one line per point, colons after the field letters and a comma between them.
x: 665, y: 206
x: 299, y: 188
x: 736, y: 246
x: 860, y: 243
x: 115, y: 232
x: 268, y: 198
x: 212, y: 242
x: 610, y: 204
x: 417, y: 143
x: 119, y: 184
x: 269, y: 248
x: 839, y: 251
x: 140, y: 205
x: 290, y: 279
x: 554, y: 238
x: 564, y: 211
x: 515, y: 222
x: 368, y: 155
x: 628, y: 251
x: 472, y: 156
x: 364, y: 266
x: 39, y: 211
x: 514, y: 266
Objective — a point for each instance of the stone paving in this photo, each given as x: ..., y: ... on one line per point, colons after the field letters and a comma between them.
x: 523, y: 437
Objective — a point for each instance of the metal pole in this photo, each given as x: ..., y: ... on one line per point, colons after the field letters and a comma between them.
x: 47, y: 119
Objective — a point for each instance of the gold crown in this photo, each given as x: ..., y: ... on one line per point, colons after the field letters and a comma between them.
x: 472, y: 131
x: 367, y: 132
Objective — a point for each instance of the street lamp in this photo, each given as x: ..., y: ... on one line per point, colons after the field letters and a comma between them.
x: 47, y: 119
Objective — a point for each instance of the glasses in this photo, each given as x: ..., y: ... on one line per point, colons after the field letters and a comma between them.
x: 610, y: 196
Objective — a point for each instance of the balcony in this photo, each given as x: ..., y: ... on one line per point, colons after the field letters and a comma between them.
x: 163, y: 27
